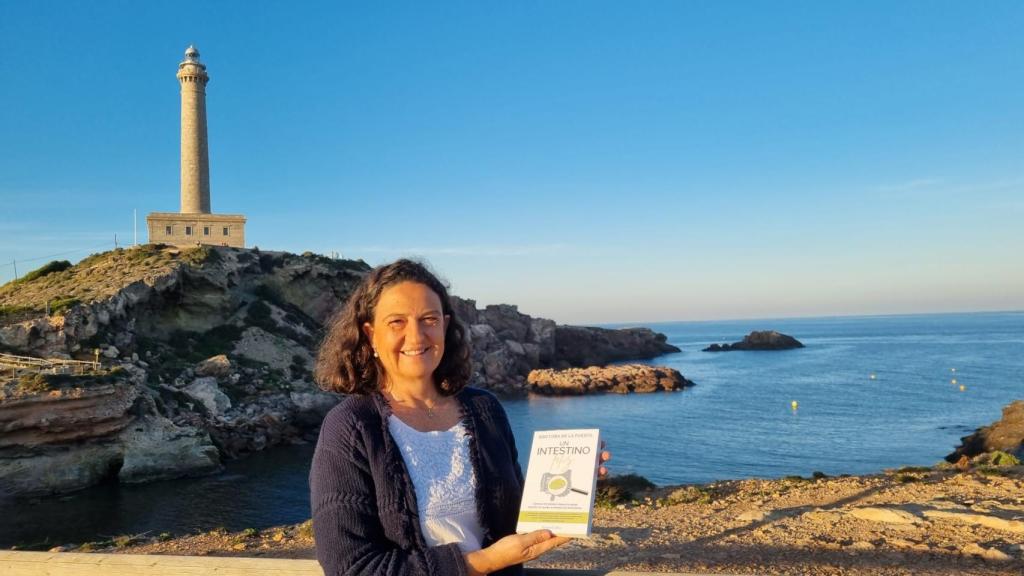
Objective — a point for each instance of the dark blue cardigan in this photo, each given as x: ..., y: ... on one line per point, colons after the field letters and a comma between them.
x: 365, y: 518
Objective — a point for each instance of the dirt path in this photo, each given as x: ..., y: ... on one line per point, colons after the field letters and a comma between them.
x: 913, y: 522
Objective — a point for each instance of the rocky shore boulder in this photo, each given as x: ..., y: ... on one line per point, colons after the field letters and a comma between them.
x: 1004, y: 435
x: 759, y: 340
x: 618, y: 379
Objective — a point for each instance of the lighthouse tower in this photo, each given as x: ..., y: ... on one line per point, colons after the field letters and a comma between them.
x: 195, y: 223
x: 195, y: 155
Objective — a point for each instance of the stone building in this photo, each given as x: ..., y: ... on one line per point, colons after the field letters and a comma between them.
x: 195, y: 224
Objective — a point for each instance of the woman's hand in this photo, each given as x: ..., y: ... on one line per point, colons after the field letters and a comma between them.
x: 511, y: 550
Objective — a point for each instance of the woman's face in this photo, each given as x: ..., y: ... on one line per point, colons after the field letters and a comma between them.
x: 407, y: 332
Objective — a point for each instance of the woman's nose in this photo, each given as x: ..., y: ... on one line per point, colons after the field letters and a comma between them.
x: 413, y: 332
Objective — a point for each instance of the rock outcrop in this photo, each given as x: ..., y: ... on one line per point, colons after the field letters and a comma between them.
x: 577, y: 346
x: 209, y: 354
x: 1004, y: 435
x: 104, y: 427
x: 507, y: 345
x: 759, y: 340
x: 618, y: 379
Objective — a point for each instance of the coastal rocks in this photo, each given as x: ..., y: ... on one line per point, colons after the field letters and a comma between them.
x: 991, y: 554
x: 205, y: 390
x: 311, y: 407
x: 213, y: 349
x: 274, y: 350
x: 170, y: 305
x: 1006, y: 435
x: 988, y: 520
x: 759, y: 340
x: 577, y: 346
x: 66, y: 439
x: 65, y: 417
x: 884, y: 515
x: 617, y: 379
x: 58, y: 469
x: 216, y: 366
x: 155, y: 449
x: 507, y: 345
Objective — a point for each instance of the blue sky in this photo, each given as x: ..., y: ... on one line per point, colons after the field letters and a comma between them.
x: 588, y: 161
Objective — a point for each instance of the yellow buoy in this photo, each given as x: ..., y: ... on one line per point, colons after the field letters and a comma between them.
x: 793, y: 405
x: 962, y: 387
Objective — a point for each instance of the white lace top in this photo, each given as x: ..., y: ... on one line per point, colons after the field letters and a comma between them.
x: 442, y: 476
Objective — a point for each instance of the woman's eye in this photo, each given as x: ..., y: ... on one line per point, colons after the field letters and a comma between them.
x: 396, y: 323
x: 430, y: 321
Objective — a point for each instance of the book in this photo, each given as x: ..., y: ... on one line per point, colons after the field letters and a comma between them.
x: 561, y: 481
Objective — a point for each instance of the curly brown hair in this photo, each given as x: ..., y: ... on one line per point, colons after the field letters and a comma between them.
x: 345, y: 362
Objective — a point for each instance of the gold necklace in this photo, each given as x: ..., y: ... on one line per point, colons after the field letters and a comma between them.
x: 431, y: 412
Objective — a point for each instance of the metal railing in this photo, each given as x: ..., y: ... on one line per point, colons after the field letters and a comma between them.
x: 48, y: 365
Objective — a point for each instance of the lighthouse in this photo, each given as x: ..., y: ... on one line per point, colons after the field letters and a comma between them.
x: 195, y: 223
x: 195, y: 153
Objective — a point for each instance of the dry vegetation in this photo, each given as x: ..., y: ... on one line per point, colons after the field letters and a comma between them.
x: 95, y: 278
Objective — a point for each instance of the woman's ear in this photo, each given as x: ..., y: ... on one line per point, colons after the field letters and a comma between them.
x: 368, y: 331
x: 447, y: 319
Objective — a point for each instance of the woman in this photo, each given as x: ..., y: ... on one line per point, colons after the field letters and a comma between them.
x: 414, y: 473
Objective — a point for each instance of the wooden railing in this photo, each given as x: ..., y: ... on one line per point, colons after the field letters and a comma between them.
x: 76, y: 564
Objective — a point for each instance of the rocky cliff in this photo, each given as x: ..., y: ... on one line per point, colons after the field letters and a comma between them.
x: 508, y: 344
x: 1004, y: 435
x: 207, y: 353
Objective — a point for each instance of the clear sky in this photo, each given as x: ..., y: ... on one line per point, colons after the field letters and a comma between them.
x: 588, y: 161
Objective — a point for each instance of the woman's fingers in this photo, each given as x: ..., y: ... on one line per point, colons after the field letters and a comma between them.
x: 604, y: 456
x: 543, y: 541
x: 538, y: 549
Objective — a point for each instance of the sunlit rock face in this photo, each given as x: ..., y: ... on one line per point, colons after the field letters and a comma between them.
x: 622, y: 379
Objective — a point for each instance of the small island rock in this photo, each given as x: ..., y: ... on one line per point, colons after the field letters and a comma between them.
x: 619, y: 379
x: 759, y: 340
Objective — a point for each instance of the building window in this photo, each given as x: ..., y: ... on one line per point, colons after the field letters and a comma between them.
x: 206, y: 230
x: 167, y: 230
x: 188, y: 230
x: 225, y: 230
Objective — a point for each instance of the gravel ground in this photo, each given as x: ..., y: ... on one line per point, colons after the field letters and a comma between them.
x: 908, y: 522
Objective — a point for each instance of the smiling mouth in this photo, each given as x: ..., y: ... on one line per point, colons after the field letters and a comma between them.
x: 416, y: 352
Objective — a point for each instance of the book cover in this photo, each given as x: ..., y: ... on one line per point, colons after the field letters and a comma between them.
x: 561, y: 479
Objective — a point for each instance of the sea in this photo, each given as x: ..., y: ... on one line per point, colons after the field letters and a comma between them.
x: 866, y: 394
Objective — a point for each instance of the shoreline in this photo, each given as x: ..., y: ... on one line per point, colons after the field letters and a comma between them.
x: 911, y: 520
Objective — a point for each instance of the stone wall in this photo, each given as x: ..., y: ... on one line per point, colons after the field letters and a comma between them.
x: 193, y: 229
